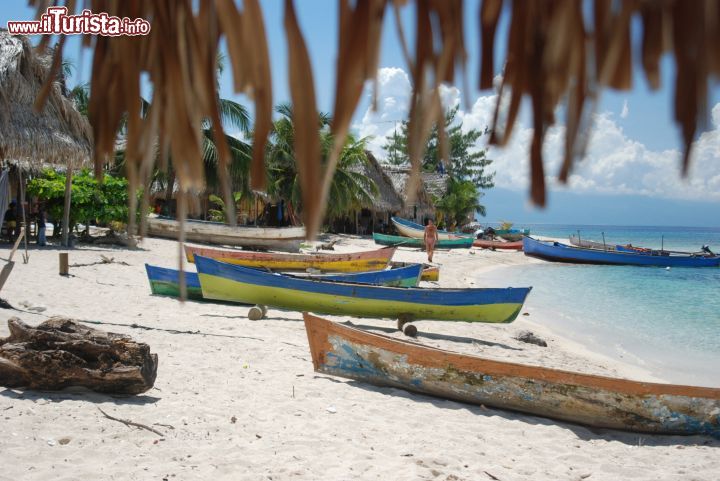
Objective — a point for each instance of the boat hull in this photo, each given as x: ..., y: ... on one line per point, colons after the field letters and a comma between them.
x: 411, y: 229
x: 579, y: 398
x: 393, y: 240
x: 429, y: 273
x: 227, y: 282
x: 561, y: 253
x: 166, y: 282
x: 275, y: 238
x: 489, y: 244
x: 350, y: 262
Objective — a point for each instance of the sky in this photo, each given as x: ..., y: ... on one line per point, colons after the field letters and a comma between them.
x: 630, y: 175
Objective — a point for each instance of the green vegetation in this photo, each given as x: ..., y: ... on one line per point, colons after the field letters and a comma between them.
x: 92, y: 201
x: 467, y: 166
x: 350, y: 189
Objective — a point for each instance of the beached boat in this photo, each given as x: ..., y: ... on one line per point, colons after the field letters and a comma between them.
x: 555, y: 251
x: 347, y: 262
x: 411, y: 229
x: 166, y: 282
x: 394, y: 240
x: 275, y: 238
x: 578, y: 242
x: 591, y: 400
x: 429, y: 273
x: 520, y: 232
x: 495, y: 244
x: 228, y: 282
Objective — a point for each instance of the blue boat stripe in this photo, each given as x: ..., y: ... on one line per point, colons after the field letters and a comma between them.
x: 447, y: 297
x: 164, y: 274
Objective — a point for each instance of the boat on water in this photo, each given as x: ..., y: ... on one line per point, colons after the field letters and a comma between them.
x: 275, y: 238
x: 496, y: 244
x: 228, y: 282
x: 555, y: 251
x: 579, y: 242
x: 394, y: 240
x: 591, y: 400
x: 347, y: 262
x: 166, y: 282
x: 409, y: 228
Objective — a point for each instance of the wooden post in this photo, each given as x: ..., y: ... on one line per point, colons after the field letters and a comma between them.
x: 26, y: 256
x: 66, y: 209
x: 64, y: 264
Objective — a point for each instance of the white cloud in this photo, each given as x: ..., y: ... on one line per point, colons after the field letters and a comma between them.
x: 613, y: 164
x: 625, y: 111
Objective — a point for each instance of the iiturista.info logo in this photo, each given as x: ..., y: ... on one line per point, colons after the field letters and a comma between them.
x: 56, y: 21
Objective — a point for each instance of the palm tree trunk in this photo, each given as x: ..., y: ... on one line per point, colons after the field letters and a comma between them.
x: 169, y: 188
x: 66, y: 209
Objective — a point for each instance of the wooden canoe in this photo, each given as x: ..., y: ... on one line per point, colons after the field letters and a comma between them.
x: 591, y: 400
x: 228, y: 282
x: 495, y: 244
x: 429, y: 272
x: 393, y: 240
x: 166, y: 282
x: 555, y: 251
x: 348, y: 262
x: 411, y: 229
x: 274, y: 238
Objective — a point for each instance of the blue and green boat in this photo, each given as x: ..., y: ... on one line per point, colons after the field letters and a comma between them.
x: 394, y: 240
x: 228, y: 282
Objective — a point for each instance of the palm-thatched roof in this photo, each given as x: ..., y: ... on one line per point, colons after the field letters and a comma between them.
x: 435, y: 183
x: 31, y: 140
x: 400, y: 177
x: 388, y: 199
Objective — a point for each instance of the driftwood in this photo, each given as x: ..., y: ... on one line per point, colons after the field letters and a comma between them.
x: 61, y: 353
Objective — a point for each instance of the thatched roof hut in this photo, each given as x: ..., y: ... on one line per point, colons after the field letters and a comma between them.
x: 435, y: 184
x: 422, y: 205
x: 56, y: 135
x: 388, y: 199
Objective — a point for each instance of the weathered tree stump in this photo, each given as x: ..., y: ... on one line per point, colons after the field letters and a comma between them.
x: 61, y: 353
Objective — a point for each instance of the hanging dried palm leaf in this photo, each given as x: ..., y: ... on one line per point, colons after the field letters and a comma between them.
x: 556, y: 51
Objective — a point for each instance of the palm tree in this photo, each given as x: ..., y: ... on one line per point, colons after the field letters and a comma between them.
x: 350, y: 189
x: 459, y: 202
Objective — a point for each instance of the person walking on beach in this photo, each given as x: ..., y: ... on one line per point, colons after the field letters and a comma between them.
x: 431, y: 237
x: 41, y: 240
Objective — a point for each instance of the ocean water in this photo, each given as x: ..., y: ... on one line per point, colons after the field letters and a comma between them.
x: 664, y: 320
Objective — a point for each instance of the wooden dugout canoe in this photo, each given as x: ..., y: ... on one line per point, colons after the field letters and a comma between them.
x: 228, y: 282
x: 397, y: 241
x: 494, y: 244
x: 591, y: 400
x: 349, y: 262
x: 429, y: 272
x: 275, y: 238
x: 166, y: 282
x: 411, y: 229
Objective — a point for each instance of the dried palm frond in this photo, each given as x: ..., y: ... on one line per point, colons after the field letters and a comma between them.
x: 557, y: 51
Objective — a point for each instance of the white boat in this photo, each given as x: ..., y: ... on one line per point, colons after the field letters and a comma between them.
x: 274, y: 238
x: 411, y: 229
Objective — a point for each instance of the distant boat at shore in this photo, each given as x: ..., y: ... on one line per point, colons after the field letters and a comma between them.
x: 496, y: 244
x: 411, y: 229
x: 555, y: 251
x: 335, y: 262
x: 275, y: 238
x: 591, y: 400
x: 394, y: 240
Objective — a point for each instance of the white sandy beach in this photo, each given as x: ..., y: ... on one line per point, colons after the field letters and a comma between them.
x: 238, y: 399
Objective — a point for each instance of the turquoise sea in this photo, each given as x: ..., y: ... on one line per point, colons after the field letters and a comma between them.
x: 665, y: 320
